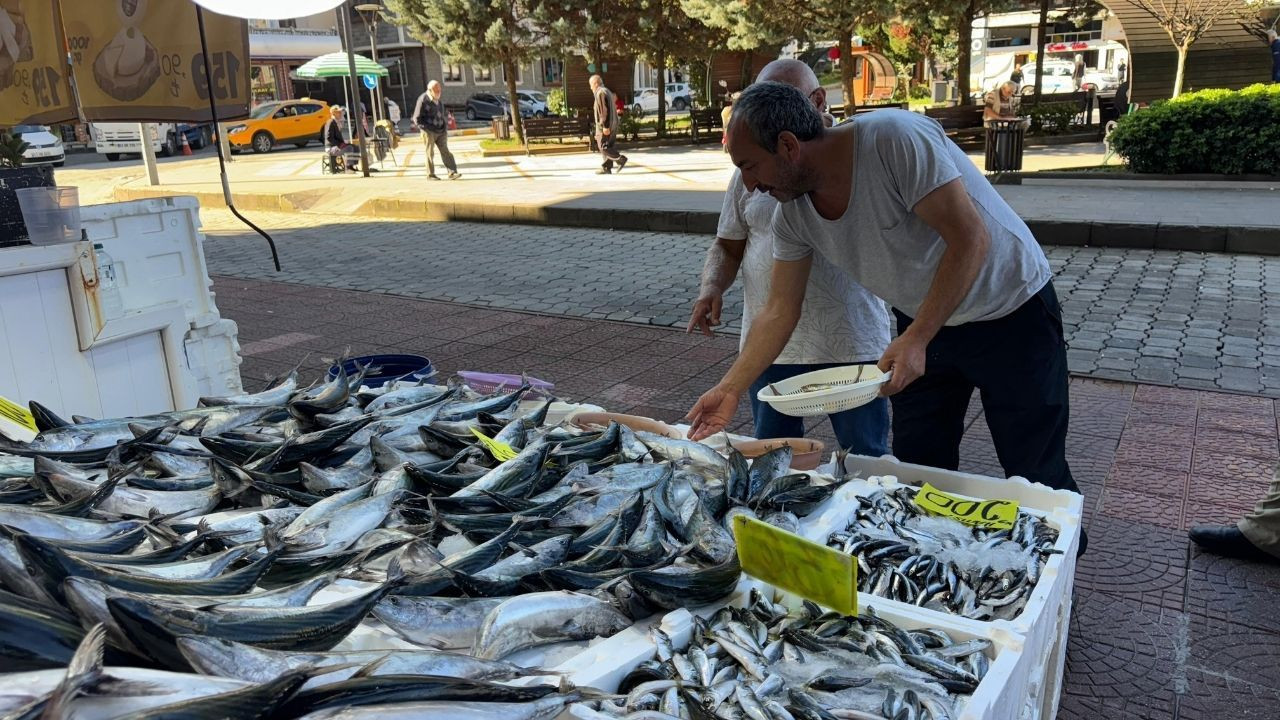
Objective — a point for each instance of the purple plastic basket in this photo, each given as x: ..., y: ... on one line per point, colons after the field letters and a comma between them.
x: 493, y: 382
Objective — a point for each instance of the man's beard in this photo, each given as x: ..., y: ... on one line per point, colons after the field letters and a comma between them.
x: 793, y: 182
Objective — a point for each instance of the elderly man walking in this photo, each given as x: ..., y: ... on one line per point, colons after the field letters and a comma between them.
x: 841, y: 323
x: 897, y: 206
x: 431, y: 117
x: 606, y: 117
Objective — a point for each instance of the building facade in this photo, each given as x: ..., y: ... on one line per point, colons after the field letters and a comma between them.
x: 1002, y: 41
x: 277, y: 48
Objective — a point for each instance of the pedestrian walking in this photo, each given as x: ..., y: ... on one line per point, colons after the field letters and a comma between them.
x: 925, y: 231
x: 841, y: 323
x: 1122, y: 71
x: 606, y: 118
x: 1016, y: 75
x: 1077, y: 72
x: 431, y: 117
x: 1273, y: 41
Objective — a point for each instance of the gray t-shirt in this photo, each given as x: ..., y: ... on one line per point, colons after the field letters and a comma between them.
x: 841, y: 322
x: 901, y: 157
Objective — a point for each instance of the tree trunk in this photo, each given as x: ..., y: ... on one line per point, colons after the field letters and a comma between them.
x: 662, y: 91
x: 1041, y: 41
x: 846, y: 72
x: 1182, y: 69
x: 965, y: 59
x: 509, y: 70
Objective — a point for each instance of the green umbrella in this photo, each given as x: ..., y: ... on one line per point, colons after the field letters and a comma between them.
x: 336, y: 65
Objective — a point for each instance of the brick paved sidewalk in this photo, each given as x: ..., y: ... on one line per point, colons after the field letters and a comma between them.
x: 1160, y: 631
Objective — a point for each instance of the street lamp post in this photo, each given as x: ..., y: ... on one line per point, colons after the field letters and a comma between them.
x: 369, y: 13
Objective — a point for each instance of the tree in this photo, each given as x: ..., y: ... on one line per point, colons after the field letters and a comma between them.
x: 749, y: 23
x: 662, y: 33
x: 1258, y: 17
x: 497, y: 32
x: 1185, y: 21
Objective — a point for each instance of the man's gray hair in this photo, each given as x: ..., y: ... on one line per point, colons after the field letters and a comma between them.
x: 769, y: 108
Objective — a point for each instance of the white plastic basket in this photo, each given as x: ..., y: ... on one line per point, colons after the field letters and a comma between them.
x: 851, y: 386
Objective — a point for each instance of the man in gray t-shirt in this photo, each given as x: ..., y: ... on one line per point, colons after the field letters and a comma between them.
x: 890, y: 200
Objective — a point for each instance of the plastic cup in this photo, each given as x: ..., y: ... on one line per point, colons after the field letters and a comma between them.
x: 51, y: 214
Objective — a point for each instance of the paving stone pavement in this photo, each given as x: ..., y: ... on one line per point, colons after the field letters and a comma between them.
x: 1159, y: 631
x: 1190, y: 320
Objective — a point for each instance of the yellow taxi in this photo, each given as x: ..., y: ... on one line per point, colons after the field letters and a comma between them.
x: 281, y: 121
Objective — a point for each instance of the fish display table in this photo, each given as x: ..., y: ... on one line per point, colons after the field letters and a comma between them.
x: 337, y: 550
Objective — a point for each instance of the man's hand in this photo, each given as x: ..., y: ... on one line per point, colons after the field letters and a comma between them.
x: 905, y: 356
x: 706, y: 314
x: 712, y: 412
x: 604, y: 131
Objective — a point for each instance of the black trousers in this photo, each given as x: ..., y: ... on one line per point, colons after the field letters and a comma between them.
x: 1018, y: 364
x: 433, y: 140
x: 608, y: 148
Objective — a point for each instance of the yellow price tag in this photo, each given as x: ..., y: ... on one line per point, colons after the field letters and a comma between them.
x: 16, y: 422
x: 500, y: 451
x: 786, y: 560
x: 18, y: 414
x: 998, y: 514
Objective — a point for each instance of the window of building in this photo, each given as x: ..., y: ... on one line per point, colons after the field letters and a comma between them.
x: 451, y: 72
x: 552, y: 71
x: 482, y: 75
x: 1065, y: 31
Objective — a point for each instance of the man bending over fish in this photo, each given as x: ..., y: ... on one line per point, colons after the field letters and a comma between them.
x: 841, y: 322
x: 893, y: 203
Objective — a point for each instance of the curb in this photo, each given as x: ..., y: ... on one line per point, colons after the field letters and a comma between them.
x: 1075, y: 233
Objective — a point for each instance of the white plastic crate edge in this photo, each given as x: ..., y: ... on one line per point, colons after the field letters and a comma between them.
x: 997, y: 697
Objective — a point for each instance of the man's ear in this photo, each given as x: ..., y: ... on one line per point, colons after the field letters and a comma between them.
x: 788, y: 145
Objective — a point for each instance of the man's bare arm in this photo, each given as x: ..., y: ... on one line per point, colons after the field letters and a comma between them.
x: 724, y: 258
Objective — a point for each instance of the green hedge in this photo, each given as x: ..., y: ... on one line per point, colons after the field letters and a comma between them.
x: 1229, y: 132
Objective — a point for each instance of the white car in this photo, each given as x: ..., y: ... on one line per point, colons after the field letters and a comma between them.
x: 1059, y: 78
x: 533, y: 103
x: 645, y: 99
x: 42, y: 145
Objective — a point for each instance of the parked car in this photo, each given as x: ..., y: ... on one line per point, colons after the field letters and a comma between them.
x: 680, y: 95
x: 533, y: 104
x: 483, y: 106
x: 1059, y: 78
x: 645, y: 100
x: 285, y: 121
x: 42, y: 145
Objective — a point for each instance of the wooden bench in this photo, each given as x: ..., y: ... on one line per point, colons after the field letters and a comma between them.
x: 838, y: 110
x: 704, y: 120
x: 558, y: 128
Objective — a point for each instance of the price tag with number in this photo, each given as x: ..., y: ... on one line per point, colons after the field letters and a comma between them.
x: 998, y: 514
x: 786, y: 560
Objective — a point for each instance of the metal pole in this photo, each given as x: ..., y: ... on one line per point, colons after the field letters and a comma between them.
x: 148, y: 153
x: 377, y: 88
x: 345, y: 20
x: 222, y: 162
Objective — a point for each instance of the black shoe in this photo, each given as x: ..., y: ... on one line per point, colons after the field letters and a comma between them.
x: 604, y: 171
x: 433, y: 177
x: 454, y: 174
x: 622, y: 162
x: 1228, y: 541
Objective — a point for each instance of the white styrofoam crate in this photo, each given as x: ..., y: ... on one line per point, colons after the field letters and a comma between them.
x: 213, y: 356
x: 998, y: 697
x: 158, y: 250
x: 1044, y: 622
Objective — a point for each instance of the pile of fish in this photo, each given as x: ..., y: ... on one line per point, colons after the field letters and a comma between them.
x: 935, y: 562
x: 254, y: 539
x: 763, y: 663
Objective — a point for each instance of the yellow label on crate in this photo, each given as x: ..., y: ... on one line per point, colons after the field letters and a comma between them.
x: 998, y: 514
x: 786, y: 560
x: 18, y: 414
x: 500, y: 451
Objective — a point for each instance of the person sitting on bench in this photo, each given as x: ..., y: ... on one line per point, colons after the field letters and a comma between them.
x: 1002, y: 104
x: 335, y: 144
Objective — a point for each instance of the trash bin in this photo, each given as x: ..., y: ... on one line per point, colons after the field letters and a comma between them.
x: 1004, y: 145
x: 501, y: 128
